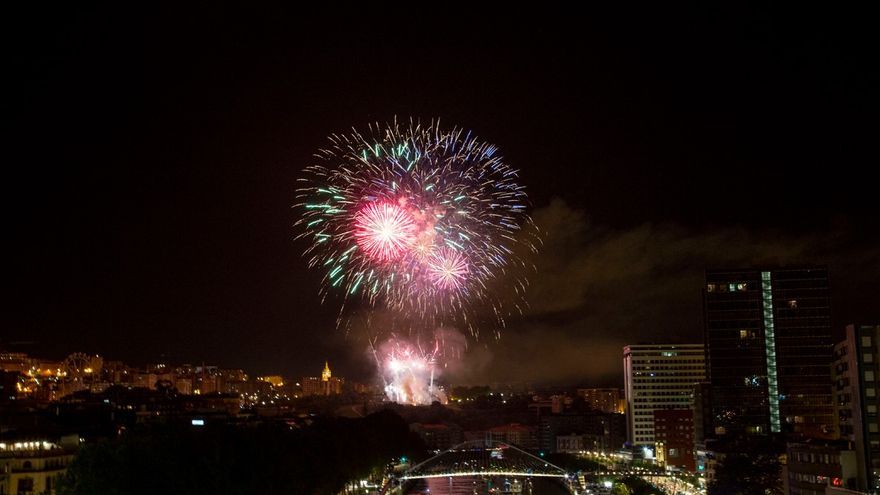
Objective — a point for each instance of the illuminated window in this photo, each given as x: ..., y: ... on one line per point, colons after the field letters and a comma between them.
x: 742, y: 287
x: 868, y: 357
x: 872, y: 409
x: 866, y: 341
x: 731, y: 287
x: 710, y: 288
x: 746, y: 334
x: 869, y: 376
x: 752, y: 381
x: 792, y: 303
x: 870, y: 392
x: 872, y: 427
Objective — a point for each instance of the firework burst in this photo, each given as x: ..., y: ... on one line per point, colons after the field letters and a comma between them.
x: 384, y: 231
x: 417, y: 219
x: 449, y: 269
x: 408, y: 373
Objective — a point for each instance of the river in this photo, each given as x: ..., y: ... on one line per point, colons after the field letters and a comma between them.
x: 471, y: 485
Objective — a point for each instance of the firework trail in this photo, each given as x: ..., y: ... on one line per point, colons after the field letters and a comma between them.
x: 420, y: 220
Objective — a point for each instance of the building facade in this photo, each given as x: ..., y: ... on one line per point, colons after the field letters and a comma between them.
x: 610, y: 400
x: 674, y: 437
x: 812, y: 468
x: 856, y: 401
x: 327, y: 384
x: 604, y: 432
x: 32, y: 467
x: 658, y: 376
x: 9, y: 385
x: 570, y: 444
x: 438, y: 436
x: 522, y: 436
x: 768, y: 340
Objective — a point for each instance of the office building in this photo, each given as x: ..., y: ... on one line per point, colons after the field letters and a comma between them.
x: 674, y: 438
x: 659, y: 376
x: 768, y: 339
x: 814, y: 467
x: 856, y: 400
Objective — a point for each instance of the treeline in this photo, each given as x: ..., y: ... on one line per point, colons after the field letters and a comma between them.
x: 222, y: 459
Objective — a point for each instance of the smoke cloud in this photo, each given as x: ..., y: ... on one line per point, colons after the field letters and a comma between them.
x: 597, y: 289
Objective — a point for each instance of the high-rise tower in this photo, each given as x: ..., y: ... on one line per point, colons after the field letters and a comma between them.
x: 769, y: 350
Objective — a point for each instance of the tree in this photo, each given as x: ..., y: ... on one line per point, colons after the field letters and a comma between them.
x: 638, y: 486
x: 750, y: 467
x: 228, y: 459
x: 620, y: 489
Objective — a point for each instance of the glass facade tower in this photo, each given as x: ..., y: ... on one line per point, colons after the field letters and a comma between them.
x: 769, y: 350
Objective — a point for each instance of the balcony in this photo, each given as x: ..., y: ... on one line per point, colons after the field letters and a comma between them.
x: 47, y: 469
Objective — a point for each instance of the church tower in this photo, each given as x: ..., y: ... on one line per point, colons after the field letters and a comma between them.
x: 325, y: 378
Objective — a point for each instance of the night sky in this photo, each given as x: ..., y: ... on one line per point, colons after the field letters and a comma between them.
x: 152, y: 158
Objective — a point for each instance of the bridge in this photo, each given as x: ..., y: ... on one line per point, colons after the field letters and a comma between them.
x: 492, y: 466
x: 498, y: 467
x: 479, y: 458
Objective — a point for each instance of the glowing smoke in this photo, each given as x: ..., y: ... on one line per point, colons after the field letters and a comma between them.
x: 411, y: 371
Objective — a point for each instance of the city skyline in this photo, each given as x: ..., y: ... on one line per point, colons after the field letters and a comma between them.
x: 610, y: 249
x: 156, y: 200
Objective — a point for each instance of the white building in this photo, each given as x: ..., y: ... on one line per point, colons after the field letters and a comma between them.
x: 659, y: 376
x: 32, y: 467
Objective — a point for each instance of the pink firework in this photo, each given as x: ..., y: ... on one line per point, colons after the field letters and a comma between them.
x: 384, y: 231
x: 448, y: 269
